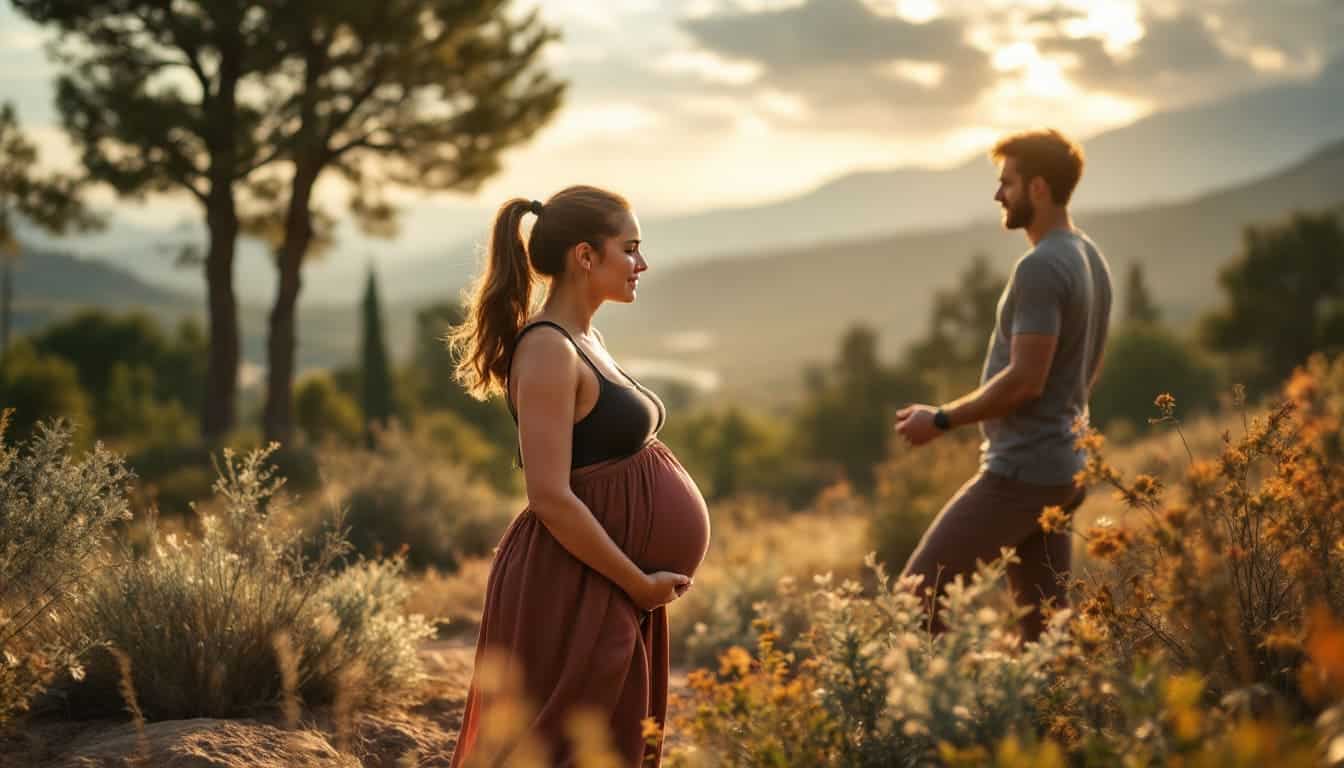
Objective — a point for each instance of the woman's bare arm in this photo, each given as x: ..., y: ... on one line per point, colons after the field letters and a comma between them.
x: 546, y: 378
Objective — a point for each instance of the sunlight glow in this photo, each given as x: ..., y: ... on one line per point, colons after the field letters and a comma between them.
x: 708, y: 66
x: 580, y: 124
x: 913, y: 11
x: 1268, y: 59
x: 926, y: 74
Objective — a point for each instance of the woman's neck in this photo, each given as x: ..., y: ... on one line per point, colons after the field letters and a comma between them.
x: 569, y: 307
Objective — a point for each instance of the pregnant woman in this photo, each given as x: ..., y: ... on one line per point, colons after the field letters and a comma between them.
x: 614, y: 528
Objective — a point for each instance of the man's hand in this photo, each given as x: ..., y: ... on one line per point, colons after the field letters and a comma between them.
x: 915, y: 423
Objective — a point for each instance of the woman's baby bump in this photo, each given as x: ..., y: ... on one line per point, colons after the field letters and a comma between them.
x: 679, y: 533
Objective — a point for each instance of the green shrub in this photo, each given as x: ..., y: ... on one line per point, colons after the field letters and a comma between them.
x: 1139, y: 356
x: 324, y: 412
x: 39, y: 388
x: 55, y: 517
x: 209, y: 625
x: 402, y: 496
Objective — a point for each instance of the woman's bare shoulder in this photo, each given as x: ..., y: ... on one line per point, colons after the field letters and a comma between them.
x: 544, y: 348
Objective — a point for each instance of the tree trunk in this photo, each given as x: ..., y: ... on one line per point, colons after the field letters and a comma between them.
x: 279, y: 414
x: 218, y: 414
x: 221, y: 380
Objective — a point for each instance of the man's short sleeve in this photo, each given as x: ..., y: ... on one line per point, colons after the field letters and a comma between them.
x: 1038, y: 297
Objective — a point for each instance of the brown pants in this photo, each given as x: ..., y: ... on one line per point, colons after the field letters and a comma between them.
x: 992, y: 511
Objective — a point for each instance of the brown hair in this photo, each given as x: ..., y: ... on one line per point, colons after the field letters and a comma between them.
x: 502, y: 299
x: 1048, y: 154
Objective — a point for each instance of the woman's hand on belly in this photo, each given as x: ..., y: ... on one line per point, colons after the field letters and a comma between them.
x: 659, y: 588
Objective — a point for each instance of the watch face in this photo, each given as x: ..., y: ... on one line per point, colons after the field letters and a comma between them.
x: 940, y: 420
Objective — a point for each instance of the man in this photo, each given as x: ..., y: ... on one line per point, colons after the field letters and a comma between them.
x: 1042, y: 362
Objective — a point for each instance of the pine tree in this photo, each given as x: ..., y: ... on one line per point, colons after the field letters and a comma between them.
x: 1139, y: 306
x: 410, y: 94
x: 173, y: 98
x: 375, y: 375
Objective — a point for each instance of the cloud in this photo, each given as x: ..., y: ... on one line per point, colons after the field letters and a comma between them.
x: 851, y: 64
x: 1180, y: 46
x: 1204, y: 51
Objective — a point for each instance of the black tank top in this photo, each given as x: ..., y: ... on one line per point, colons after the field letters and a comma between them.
x: 622, y: 421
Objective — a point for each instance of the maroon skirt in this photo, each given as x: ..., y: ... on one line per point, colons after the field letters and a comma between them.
x: 575, y: 639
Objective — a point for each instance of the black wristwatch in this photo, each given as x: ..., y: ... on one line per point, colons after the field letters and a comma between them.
x: 941, y: 421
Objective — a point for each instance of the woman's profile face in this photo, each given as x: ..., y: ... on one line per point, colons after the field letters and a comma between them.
x: 614, y: 275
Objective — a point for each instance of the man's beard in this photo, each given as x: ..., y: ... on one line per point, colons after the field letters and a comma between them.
x: 1020, y: 215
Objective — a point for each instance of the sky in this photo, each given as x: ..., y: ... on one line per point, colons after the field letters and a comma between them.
x: 686, y: 105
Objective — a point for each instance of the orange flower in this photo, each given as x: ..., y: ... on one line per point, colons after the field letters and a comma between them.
x: 1053, y: 520
x: 1166, y: 403
x: 1107, y: 543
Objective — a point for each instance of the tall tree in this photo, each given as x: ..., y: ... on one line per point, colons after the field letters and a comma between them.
x: 419, y: 94
x: 51, y: 202
x: 952, y: 353
x: 171, y: 96
x: 1285, y: 298
x: 375, y: 375
x: 847, y: 416
x: 1140, y: 309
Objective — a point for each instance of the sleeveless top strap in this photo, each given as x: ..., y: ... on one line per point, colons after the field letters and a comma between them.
x: 508, y: 395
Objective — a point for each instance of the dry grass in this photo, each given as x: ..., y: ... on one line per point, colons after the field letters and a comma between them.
x: 754, y: 547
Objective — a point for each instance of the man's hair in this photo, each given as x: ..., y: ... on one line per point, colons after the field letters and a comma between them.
x: 1045, y: 153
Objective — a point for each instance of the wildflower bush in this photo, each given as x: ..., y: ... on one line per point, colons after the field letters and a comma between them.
x: 1219, y: 575
x: 1206, y: 630
x: 241, y: 618
x: 56, y: 514
x: 754, y: 545
x: 869, y: 686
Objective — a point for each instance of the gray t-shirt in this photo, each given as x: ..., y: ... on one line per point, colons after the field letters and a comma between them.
x: 1062, y: 287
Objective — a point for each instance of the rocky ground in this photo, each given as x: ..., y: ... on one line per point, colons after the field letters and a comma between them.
x: 422, y: 733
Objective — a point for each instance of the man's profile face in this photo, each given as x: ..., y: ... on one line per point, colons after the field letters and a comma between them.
x: 1018, y: 211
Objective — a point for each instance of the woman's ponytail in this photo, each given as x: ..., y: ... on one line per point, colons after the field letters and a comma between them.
x: 498, y: 307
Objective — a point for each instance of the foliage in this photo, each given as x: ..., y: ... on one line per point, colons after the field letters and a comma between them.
x: 325, y: 413
x: 402, y: 498
x: 144, y: 382
x: 39, y: 388
x: 734, y: 451
x: 1138, y: 355
x: 223, y: 625
x: 874, y: 688
x: 950, y: 356
x: 1140, y: 308
x: 1285, y: 299
x: 51, y: 202
x: 756, y: 545
x: 56, y: 515
x: 376, y: 379
x: 1221, y: 580
x: 848, y: 413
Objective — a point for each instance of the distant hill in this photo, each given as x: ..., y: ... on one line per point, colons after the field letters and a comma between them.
x: 50, y: 285
x: 767, y: 315
x: 754, y: 320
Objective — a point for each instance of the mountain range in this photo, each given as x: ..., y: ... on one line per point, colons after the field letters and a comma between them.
x: 757, y: 320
